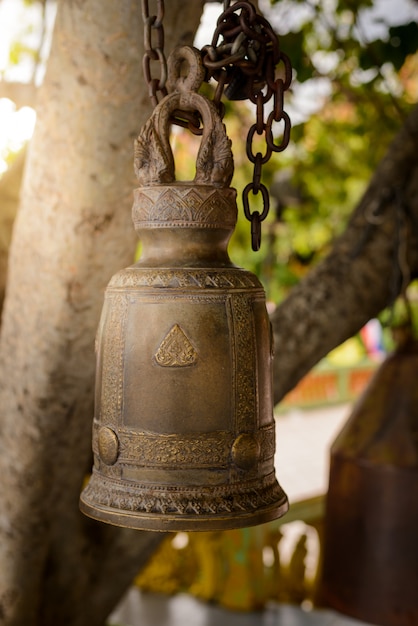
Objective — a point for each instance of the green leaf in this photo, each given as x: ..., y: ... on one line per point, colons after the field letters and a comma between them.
x: 293, y: 44
x: 402, y: 41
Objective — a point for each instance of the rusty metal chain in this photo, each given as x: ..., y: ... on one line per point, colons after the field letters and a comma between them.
x: 244, y: 57
x: 245, y: 60
x: 154, y: 52
x: 154, y: 49
x: 265, y: 127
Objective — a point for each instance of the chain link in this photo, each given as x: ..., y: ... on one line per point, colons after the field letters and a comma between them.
x: 245, y: 59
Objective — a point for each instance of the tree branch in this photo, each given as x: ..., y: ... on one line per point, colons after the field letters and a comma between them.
x: 10, y: 184
x: 361, y: 275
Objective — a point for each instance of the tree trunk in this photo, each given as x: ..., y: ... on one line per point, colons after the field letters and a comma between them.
x: 22, y: 94
x: 366, y: 269
x: 10, y: 184
x: 73, y: 231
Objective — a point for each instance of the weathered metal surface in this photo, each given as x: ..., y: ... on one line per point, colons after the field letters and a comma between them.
x: 183, y: 433
x: 370, y: 568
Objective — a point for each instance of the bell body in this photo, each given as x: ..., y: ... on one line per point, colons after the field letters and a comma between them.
x: 184, y: 434
x: 370, y: 566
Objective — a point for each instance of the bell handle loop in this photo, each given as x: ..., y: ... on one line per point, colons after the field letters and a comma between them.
x: 195, y: 75
x: 154, y: 161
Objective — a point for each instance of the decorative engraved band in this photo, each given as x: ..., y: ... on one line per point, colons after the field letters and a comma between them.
x: 230, y: 278
x: 185, y: 501
x: 177, y: 205
x: 197, y: 451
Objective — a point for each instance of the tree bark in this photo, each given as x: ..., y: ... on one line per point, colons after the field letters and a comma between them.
x: 73, y: 231
x: 10, y: 184
x: 365, y: 270
x: 22, y: 94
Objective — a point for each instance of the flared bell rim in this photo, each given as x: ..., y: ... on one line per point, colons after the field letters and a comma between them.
x: 158, y: 507
x: 186, y: 523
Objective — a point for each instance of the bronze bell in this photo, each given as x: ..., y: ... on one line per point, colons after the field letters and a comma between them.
x: 183, y: 433
x: 370, y: 563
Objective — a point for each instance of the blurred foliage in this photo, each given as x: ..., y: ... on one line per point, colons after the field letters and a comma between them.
x: 26, y: 38
x: 24, y: 30
x: 402, y: 315
x: 362, y: 89
x: 18, y: 50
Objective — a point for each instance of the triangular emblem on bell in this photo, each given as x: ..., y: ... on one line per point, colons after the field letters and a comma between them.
x: 183, y: 433
x: 175, y: 349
